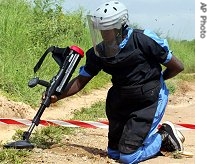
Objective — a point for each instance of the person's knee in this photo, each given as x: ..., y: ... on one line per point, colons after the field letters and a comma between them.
x: 130, y: 145
x: 130, y: 158
x: 130, y: 151
x: 126, y: 159
x: 113, y: 154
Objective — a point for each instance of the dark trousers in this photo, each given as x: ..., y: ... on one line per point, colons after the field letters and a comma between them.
x: 130, y: 112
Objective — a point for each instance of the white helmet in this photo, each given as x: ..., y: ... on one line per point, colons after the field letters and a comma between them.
x: 106, y: 27
x: 110, y: 15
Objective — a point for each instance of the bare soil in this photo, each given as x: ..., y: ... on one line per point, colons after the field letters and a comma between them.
x: 89, y: 145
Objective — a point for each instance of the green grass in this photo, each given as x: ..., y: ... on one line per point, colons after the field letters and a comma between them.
x: 96, y: 111
x: 28, y: 29
x: 13, y: 156
x: 185, y: 51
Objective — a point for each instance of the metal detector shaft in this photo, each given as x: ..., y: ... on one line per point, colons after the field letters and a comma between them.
x: 36, y: 120
x: 68, y: 60
x: 57, y: 85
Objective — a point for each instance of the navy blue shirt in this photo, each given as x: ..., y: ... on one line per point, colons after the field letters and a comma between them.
x: 139, y: 60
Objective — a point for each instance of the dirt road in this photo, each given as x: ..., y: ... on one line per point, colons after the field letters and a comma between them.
x: 89, y: 145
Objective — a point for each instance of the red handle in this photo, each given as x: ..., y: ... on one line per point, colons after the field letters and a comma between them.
x: 78, y: 50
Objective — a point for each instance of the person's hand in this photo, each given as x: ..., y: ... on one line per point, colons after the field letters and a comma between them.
x: 53, y: 98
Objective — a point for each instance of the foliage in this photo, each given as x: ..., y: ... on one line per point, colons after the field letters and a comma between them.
x: 13, y: 156
x: 185, y: 51
x: 45, y: 137
x: 96, y: 111
x: 28, y: 28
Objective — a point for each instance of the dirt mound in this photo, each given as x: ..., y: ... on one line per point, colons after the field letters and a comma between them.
x: 11, y: 109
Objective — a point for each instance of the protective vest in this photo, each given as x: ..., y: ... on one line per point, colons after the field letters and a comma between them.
x: 137, y: 63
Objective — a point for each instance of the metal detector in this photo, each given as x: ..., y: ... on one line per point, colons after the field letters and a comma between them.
x: 67, y: 59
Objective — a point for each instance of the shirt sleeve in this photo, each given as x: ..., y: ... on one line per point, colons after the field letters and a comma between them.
x: 92, y: 66
x: 83, y: 72
x: 163, y: 43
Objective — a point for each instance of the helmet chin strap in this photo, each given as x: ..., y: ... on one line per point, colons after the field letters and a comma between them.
x: 124, y: 32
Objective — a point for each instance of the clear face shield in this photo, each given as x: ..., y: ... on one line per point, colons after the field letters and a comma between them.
x: 106, y: 38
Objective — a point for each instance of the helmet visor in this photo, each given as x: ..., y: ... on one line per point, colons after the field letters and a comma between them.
x: 105, y: 39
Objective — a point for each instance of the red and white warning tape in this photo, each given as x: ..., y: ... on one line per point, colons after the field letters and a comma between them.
x: 75, y: 123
